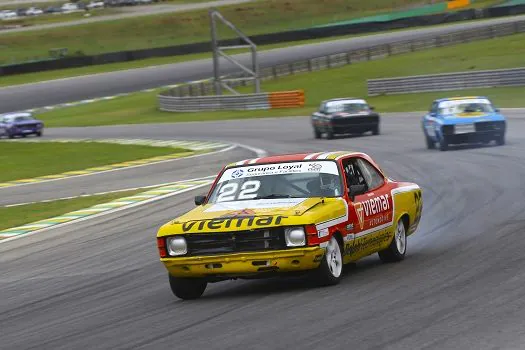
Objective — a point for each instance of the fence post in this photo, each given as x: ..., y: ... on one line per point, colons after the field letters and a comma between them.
x: 348, y: 58
x: 309, y: 62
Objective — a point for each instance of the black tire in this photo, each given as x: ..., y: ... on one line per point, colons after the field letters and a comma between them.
x: 443, y: 144
x: 317, y: 133
x: 500, y: 141
x: 11, y: 136
x: 397, y: 249
x: 430, y: 144
x: 187, y: 288
x: 329, y: 134
x: 39, y: 134
x: 375, y: 130
x: 329, y: 273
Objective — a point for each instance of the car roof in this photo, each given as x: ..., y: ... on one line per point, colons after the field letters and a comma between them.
x: 295, y: 157
x: 459, y: 98
x: 343, y: 98
x: 17, y: 114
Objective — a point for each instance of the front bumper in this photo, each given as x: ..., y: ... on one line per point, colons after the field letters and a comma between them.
x: 473, y: 137
x: 245, y: 264
x: 349, y: 125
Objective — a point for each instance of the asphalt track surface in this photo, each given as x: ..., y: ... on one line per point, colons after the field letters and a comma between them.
x: 99, y: 284
x: 72, y: 89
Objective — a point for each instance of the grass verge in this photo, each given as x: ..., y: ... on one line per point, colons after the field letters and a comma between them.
x: 28, y: 160
x: 28, y: 213
x: 349, y: 80
x: 178, y: 28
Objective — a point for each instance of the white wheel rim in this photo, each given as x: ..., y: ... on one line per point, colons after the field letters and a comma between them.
x: 334, y: 258
x: 400, y: 237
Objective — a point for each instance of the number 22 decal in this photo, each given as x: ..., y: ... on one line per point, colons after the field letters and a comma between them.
x: 248, y: 190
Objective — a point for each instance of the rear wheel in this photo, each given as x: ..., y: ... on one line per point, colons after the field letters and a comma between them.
x: 317, y: 133
x: 187, y: 288
x: 329, y: 134
x: 397, y: 248
x: 330, y: 271
x: 375, y: 130
x: 500, y: 140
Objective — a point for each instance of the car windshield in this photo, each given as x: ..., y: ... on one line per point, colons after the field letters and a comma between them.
x: 466, y: 106
x: 17, y: 118
x: 303, y: 179
x: 349, y: 106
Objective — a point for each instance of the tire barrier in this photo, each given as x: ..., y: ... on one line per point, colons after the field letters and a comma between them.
x: 268, y: 100
x: 447, y: 81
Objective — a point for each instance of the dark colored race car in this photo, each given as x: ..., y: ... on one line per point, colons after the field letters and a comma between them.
x: 344, y: 116
x: 20, y: 124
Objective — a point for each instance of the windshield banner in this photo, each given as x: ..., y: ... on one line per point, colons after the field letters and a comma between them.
x: 327, y: 167
x: 256, y: 204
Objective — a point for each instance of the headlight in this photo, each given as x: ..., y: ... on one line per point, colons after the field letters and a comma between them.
x: 294, y: 236
x: 176, y: 246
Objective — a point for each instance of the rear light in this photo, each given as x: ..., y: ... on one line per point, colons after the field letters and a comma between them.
x: 161, y: 245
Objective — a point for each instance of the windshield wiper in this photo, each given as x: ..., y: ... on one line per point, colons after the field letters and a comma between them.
x: 273, y: 195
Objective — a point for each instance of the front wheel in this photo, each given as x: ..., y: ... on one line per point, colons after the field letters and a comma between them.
x: 317, y: 133
x: 443, y: 144
x: 330, y: 271
x: 430, y: 143
x: 397, y: 248
x: 39, y: 133
x: 500, y: 140
x: 187, y: 288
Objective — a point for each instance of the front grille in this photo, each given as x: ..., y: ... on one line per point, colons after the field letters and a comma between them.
x: 233, y: 242
x: 27, y: 126
x: 344, y: 121
x: 490, y: 126
x: 447, y: 129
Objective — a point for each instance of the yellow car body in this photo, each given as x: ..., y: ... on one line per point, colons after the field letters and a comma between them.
x: 244, y: 238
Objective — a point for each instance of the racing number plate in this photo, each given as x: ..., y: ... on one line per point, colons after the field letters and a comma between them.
x: 464, y: 128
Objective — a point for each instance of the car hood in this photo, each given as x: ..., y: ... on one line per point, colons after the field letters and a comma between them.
x: 467, y: 118
x: 254, y: 214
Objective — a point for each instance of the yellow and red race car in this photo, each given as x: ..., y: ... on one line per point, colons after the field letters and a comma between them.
x: 289, y: 213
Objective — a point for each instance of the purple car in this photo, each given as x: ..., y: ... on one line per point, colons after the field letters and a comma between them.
x: 20, y: 124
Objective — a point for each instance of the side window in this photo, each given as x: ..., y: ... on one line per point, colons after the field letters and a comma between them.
x: 434, y: 107
x: 373, y: 178
x: 322, y: 108
x: 353, y: 173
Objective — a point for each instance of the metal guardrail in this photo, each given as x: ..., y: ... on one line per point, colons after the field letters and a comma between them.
x: 205, y: 87
x: 267, y: 100
x: 447, y: 81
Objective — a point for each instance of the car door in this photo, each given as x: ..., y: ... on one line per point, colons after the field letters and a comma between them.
x: 372, y: 211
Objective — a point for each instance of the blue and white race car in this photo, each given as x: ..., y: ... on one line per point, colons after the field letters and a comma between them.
x: 461, y: 120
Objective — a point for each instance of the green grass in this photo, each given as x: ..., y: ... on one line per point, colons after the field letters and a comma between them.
x: 188, y: 27
x: 28, y: 213
x: 20, y: 160
x: 74, y: 72
x: 506, y: 52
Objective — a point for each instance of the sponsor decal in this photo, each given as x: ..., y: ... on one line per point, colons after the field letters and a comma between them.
x: 244, y: 212
x: 328, y: 167
x: 373, y: 206
x: 237, y: 173
x: 366, y: 243
x: 315, y: 167
x: 233, y: 222
x: 322, y: 232
x: 418, y: 200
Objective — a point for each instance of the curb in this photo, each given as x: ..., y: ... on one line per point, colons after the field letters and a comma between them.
x: 105, y: 208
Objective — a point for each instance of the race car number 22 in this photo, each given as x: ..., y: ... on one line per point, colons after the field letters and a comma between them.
x: 248, y: 190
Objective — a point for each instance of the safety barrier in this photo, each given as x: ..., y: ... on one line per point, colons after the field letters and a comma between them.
x: 279, y: 99
x: 447, y: 81
x: 204, y: 88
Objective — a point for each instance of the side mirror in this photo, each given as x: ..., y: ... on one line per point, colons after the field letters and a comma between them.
x: 496, y: 110
x: 372, y: 108
x: 355, y: 190
x: 199, y: 200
